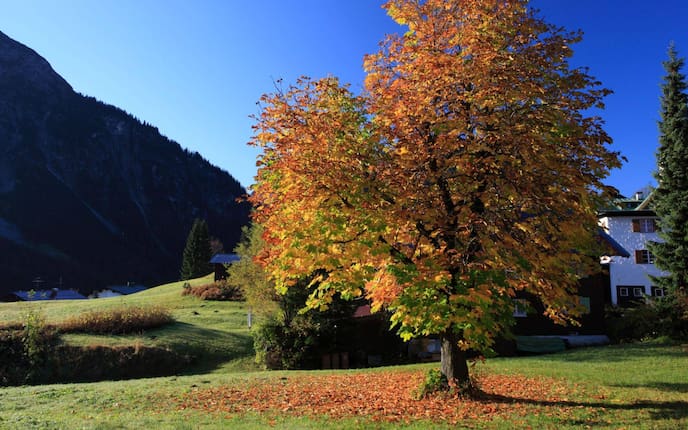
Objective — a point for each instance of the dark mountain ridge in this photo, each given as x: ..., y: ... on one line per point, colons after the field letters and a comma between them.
x: 90, y: 195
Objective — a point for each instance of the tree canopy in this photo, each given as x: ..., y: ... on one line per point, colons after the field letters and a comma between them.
x: 469, y: 170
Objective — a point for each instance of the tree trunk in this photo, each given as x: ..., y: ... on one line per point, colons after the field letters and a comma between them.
x: 453, y: 364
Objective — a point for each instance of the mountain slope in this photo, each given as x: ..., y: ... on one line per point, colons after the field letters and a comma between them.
x: 91, y: 195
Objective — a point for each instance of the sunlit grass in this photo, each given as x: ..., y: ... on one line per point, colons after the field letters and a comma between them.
x: 628, y: 386
x: 214, y: 332
x: 625, y: 386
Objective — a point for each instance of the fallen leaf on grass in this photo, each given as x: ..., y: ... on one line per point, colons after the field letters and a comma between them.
x: 383, y: 397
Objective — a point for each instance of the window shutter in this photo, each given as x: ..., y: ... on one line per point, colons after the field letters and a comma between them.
x: 636, y: 226
x: 638, y: 256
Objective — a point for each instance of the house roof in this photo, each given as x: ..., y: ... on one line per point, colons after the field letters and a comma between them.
x: 362, y: 311
x: 126, y: 289
x: 224, y: 259
x: 630, y: 212
x: 613, y: 244
x: 637, y: 206
x: 53, y: 294
x: 647, y: 202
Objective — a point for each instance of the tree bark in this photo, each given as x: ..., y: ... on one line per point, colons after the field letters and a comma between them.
x: 453, y: 362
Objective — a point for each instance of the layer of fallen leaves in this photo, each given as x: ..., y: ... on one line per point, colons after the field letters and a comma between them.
x: 384, y: 396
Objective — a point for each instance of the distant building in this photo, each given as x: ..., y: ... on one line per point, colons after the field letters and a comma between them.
x: 35, y: 295
x: 632, y: 224
x: 116, y: 290
x: 220, y: 263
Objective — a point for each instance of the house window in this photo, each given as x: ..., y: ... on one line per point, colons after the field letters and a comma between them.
x: 658, y: 292
x: 644, y: 225
x: 643, y: 256
x: 585, y: 302
x: 520, y: 308
x: 629, y: 295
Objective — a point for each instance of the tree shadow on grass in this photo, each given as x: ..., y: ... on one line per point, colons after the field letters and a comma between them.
x: 208, y: 348
x: 611, y: 353
x: 675, y: 387
x: 658, y: 410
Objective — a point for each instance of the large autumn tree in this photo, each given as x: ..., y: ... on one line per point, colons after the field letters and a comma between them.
x: 468, y: 171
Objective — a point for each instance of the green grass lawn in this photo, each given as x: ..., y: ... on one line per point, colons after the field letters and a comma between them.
x: 215, y: 332
x: 617, y: 387
x: 628, y: 386
x: 642, y: 385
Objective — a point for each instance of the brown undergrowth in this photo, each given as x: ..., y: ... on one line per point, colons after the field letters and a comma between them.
x: 219, y: 290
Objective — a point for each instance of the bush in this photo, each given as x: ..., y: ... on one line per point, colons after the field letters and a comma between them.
x: 435, y: 382
x: 658, y: 317
x: 36, y: 342
x: 295, y: 338
x: 12, y: 358
x: 25, y: 351
x: 123, y: 320
x: 67, y: 363
x: 97, y: 363
x: 218, y: 290
x: 287, y: 346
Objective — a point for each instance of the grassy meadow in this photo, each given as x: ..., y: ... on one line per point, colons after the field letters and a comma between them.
x: 217, y: 332
x: 630, y: 386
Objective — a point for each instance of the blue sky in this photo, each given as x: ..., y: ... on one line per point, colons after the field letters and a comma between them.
x: 195, y: 69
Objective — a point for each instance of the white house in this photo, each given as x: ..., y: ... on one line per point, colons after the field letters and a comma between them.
x: 632, y: 224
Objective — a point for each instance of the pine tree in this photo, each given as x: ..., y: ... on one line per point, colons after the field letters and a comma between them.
x: 197, y: 253
x: 671, y: 196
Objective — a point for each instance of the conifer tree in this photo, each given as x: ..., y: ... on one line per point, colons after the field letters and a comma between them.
x: 197, y: 253
x: 671, y: 196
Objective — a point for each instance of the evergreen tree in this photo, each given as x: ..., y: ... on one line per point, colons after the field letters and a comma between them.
x: 671, y: 196
x: 197, y: 253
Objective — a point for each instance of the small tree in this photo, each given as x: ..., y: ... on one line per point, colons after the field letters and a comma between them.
x: 248, y: 275
x: 671, y: 196
x: 289, y: 336
x: 197, y: 253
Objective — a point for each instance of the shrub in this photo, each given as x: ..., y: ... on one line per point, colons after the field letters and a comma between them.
x: 68, y: 363
x: 657, y: 317
x: 12, y: 358
x: 98, y: 362
x: 25, y: 351
x: 296, y: 337
x: 218, y: 290
x: 35, y: 343
x: 434, y: 382
x: 123, y: 320
x: 287, y: 346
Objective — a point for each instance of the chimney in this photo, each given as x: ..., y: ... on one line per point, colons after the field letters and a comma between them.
x: 639, y: 195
